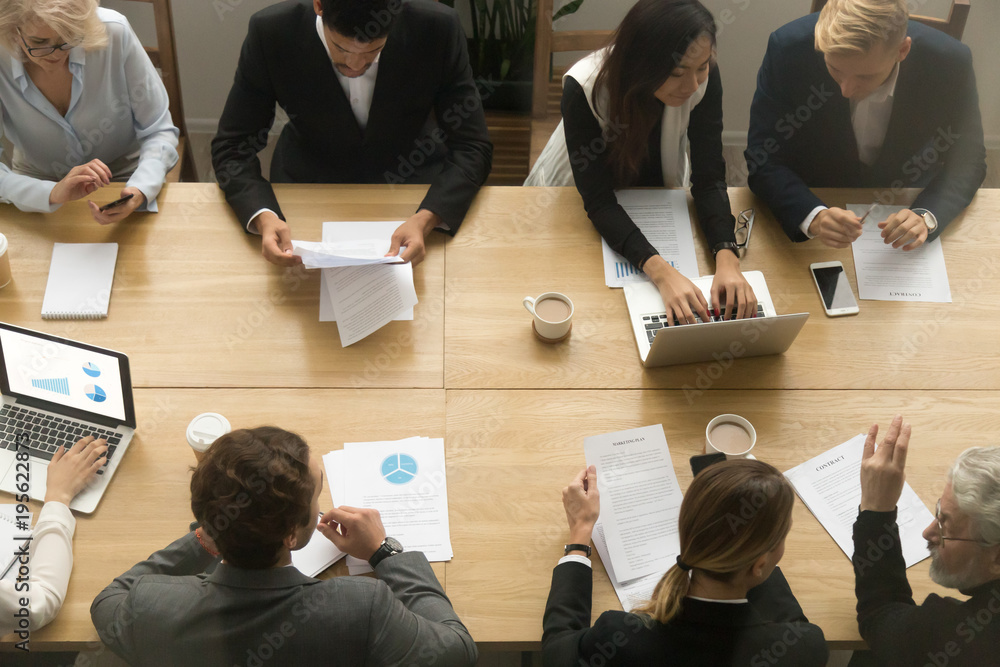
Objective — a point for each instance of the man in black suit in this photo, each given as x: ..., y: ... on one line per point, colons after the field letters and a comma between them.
x: 858, y: 96
x: 376, y: 91
x: 964, y: 542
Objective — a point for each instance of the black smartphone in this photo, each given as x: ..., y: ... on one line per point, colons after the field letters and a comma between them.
x: 702, y: 461
x: 115, y: 204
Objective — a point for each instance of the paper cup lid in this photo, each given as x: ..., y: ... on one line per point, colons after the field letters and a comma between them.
x: 3, y: 244
x: 205, y: 429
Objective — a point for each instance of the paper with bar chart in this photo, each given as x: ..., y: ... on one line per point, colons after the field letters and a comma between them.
x: 63, y: 374
x: 662, y: 216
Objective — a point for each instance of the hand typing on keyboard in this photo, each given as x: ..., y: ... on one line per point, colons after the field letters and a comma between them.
x: 731, y: 293
x: 682, y: 300
x: 70, y: 470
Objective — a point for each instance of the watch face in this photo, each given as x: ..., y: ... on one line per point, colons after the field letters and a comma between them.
x: 393, y: 544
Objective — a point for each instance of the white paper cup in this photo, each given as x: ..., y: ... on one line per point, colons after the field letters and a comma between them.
x: 550, y: 331
x: 205, y: 429
x: 4, y: 262
x: 725, y: 447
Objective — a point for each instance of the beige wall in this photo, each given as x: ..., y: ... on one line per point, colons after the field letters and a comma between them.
x: 209, y: 34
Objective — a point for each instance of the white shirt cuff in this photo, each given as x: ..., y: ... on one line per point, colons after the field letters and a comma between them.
x: 58, y: 513
x: 808, y: 221
x: 573, y: 558
x: 254, y: 230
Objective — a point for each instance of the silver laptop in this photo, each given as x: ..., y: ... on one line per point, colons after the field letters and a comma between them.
x: 660, y: 345
x: 56, y: 391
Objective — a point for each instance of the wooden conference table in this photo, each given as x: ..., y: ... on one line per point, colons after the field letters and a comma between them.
x: 208, y: 325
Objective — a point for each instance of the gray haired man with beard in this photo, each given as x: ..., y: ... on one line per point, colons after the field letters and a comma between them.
x: 964, y: 541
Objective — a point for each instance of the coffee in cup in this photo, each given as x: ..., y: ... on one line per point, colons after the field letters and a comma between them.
x: 553, y: 316
x: 205, y: 429
x: 4, y: 262
x: 731, y: 435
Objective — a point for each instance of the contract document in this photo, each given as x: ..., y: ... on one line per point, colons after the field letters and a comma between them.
x: 322, y: 255
x: 405, y: 481
x: 885, y: 273
x: 640, y: 499
x: 364, y: 298
x: 830, y: 486
x: 663, y: 217
x: 633, y: 593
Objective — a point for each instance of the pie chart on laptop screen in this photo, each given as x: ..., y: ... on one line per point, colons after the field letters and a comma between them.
x: 91, y: 369
x: 95, y: 393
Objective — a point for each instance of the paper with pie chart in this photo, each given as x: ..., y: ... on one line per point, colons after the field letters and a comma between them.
x: 405, y: 481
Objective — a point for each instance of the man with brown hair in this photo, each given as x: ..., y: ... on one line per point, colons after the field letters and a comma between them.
x: 859, y: 96
x: 256, y: 497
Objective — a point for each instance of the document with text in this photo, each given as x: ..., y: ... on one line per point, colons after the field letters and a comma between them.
x: 885, y: 273
x: 324, y: 255
x: 632, y: 593
x: 662, y: 216
x: 640, y: 499
x: 830, y: 486
x: 405, y: 481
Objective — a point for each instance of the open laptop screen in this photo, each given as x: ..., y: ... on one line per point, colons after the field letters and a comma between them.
x: 87, y: 382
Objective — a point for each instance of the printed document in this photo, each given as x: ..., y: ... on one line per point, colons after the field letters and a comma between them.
x: 630, y: 593
x: 405, y: 481
x: 889, y: 274
x: 319, y: 554
x: 363, y: 299
x: 830, y: 486
x: 640, y: 499
x: 323, y: 255
x: 663, y: 217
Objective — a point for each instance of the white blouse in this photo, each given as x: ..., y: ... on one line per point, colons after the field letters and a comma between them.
x: 118, y: 113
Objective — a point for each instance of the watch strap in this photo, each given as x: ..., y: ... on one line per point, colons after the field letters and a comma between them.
x: 576, y: 547
x: 383, y: 552
x: 725, y: 245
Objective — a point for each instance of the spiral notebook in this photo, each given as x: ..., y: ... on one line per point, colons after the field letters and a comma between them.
x: 80, y: 277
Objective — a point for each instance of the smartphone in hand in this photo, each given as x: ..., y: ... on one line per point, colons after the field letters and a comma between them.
x: 116, y: 203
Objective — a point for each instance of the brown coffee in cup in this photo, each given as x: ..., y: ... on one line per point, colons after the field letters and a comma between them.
x: 552, y: 310
x: 730, y: 438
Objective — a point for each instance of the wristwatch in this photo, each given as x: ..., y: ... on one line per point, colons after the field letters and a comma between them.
x: 725, y: 245
x: 929, y: 219
x: 389, y: 547
x: 576, y: 547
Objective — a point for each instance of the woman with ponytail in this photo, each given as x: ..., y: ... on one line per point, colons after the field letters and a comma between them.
x: 631, y: 113
x: 724, y: 602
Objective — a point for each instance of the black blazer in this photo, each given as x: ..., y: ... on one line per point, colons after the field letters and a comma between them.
x: 768, y: 630
x: 426, y: 123
x: 595, y: 180
x: 801, y: 135
x: 941, y: 631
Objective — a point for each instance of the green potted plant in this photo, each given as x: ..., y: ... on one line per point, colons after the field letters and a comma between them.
x: 502, y: 49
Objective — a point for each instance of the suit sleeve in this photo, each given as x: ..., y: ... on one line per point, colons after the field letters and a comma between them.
x: 594, y: 180
x: 768, y: 175
x: 113, y: 610
x: 470, y: 152
x: 243, y: 128
x: 887, y: 613
x: 412, y: 621
x: 964, y: 169
x: 567, y: 614
x: 708, y: 167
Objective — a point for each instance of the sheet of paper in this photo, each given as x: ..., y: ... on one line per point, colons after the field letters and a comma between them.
x: 323, y: 254
x: 640, y: 499
x: 366, y: 298
x: 14, y: 533
x: 630, y: 593
x: 830, y: 486
x: 326, y: 304
x: 319, y: 554
x: 885, y: 273
x: 405, y: 481
x: 663, y: 217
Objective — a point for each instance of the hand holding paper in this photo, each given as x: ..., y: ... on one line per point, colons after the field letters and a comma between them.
x: 326, y: 255
x: 883, y: 469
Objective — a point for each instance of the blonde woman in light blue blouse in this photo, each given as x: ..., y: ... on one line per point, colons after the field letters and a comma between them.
x: 82, y: 105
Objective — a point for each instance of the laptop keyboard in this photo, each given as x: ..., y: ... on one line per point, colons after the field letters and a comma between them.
x: 655, y: 323
x: 48, y: 432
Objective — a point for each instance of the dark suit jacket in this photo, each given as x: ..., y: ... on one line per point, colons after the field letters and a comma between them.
x: 769, y: 630
x: 426, y: 123
x: 941, y: 631
x: 801, y: 135
x: 164, y: 611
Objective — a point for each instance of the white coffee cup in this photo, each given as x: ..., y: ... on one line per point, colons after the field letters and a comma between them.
x: 731, y: 435
x: 4, y: 262
x: 553, y: 315
x: 205, y: 429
